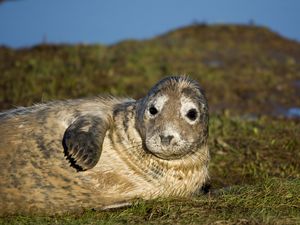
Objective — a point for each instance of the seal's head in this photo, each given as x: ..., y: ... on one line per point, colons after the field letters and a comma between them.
x: 173, y: 118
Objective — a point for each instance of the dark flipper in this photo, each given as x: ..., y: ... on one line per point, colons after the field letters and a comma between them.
x: 83, y: 141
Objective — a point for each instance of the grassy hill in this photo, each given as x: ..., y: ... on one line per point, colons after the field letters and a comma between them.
x: 245, y: 70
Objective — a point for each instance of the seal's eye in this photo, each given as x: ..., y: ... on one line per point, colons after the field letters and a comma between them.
x: 192, y: 114
x: 153, y: 111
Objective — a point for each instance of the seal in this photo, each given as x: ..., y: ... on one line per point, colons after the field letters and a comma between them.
x: 104, y: 152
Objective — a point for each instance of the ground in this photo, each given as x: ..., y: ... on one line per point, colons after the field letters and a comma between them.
x: 251, y: 77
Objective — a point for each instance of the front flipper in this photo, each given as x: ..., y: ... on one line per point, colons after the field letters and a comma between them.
x: 83, y: 141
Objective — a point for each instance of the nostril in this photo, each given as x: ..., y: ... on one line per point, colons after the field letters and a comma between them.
x: 165, y: 140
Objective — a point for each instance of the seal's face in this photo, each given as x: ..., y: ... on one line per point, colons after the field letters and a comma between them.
x: 173, y: 118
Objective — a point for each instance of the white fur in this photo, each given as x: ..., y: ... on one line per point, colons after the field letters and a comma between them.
x: 177, y: 144
x: 158, y: 103
x: 172, y: 131
x: 186, y: 105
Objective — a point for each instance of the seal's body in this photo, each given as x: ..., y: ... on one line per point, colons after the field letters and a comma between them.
x: 104, y: 152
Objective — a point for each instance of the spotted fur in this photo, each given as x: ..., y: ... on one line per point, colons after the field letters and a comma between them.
x: 96, y: 153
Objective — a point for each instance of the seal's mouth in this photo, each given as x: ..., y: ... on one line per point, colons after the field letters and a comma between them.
x: 170, y: 156
x: 166, y: 155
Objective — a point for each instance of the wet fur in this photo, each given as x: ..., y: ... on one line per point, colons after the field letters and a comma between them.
x: 46, y: 170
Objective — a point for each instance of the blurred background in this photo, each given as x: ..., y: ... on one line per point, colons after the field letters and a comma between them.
x: 25, y: 23
x: 68, y: 49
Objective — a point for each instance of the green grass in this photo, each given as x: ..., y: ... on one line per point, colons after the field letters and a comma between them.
x: 246, y: 71
x: 274, y: 201
x: 246, y: 152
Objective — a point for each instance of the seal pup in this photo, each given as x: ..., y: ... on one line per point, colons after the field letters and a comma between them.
x: 103, y: 152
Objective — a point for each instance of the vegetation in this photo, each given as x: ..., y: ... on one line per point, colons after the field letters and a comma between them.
x: 250, y: 75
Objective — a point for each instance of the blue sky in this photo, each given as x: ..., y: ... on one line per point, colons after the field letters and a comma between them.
x: 28, y: 22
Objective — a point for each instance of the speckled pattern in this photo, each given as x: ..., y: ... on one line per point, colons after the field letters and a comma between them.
x: 72, y: 155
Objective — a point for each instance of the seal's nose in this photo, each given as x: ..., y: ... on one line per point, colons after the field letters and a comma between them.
x: 165, y: 140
